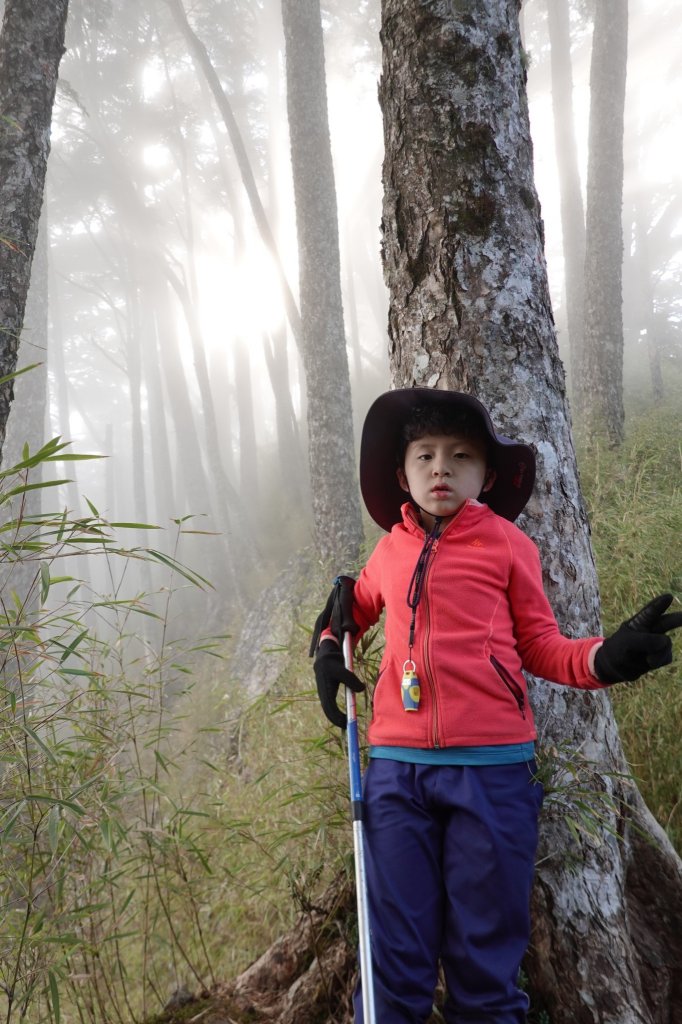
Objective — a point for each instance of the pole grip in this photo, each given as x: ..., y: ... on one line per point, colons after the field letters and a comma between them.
x: 342, y: 616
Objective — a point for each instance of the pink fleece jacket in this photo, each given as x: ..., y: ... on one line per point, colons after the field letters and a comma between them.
x: 483, y: 616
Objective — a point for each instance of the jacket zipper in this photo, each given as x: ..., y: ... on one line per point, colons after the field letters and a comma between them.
x: 510, y: 683
x: 427, y: 630
x: 427, y: 663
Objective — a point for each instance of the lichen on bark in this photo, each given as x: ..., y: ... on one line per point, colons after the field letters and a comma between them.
x: 31, y: 47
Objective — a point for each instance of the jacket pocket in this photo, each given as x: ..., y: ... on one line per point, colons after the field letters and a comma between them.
x: 510, y: 683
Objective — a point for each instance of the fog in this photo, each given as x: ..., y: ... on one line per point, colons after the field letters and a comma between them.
x: 166, y: 315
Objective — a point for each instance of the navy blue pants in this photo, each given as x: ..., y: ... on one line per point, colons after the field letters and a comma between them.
x: 449, y: 855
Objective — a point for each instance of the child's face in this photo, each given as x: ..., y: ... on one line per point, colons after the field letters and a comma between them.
x: 442, y: 471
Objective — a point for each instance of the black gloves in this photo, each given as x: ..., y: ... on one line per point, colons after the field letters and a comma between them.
x: 330, y: 673
x: 639, y: 645
x: 329, y: 667
x: 337, y: 615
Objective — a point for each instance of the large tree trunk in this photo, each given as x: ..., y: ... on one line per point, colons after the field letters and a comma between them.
x: 31, y: 47
x: 599, y: 383
x: 336, y: 502
x: 470, y: 309
x: 26, y: 426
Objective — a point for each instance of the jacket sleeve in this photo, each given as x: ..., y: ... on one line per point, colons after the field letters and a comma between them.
x: 368, y: 601
x: 544, y: 650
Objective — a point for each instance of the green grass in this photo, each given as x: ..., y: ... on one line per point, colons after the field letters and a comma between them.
x: 634, y: 497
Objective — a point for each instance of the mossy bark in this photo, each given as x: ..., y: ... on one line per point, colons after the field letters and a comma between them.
x: 31, y: 47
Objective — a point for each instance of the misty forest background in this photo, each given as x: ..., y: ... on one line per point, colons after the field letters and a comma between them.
x: 171, y: 795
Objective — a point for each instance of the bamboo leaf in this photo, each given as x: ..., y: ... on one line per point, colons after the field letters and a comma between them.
x: 12, y: 816
x: 88, y: 673
x: 187, y: 574
x: 49, y: 754
x: 45, y: 798
x: 73, y: 645
x: 23, y: 488
x: 107, y: 835
x: 135, y: 526
x: 72, y: 457
x: 54, y: 996
x: 44, y: 581
x: 24, y: 369
x: 53, y: 822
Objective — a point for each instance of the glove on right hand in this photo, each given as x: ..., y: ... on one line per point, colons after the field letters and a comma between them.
x: 330, y: 673
x: 639, y: 644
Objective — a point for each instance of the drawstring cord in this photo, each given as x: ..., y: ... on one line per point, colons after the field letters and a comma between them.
x: 414, y: 591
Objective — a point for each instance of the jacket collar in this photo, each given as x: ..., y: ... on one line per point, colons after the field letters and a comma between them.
x: 471, y: 511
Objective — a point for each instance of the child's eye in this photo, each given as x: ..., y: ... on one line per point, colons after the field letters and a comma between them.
x: 425, y: 457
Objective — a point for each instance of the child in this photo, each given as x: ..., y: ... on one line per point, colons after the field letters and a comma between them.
x: 451, y: 799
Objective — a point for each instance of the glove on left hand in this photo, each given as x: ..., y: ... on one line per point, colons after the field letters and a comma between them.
x: 337, y: 615
x: 639, y: 644
x: 330, y: 672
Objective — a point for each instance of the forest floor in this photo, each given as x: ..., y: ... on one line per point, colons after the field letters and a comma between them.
x: 307, y: 976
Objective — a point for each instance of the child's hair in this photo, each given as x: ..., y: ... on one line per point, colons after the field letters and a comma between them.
x: 432, y: 419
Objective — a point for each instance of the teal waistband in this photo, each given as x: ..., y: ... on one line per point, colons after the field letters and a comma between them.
x: 505, y: 753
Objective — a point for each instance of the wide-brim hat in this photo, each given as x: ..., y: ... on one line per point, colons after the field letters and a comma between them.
x: 513, y: 461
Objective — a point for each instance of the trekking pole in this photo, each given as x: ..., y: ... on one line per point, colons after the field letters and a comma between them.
x: 357, y: 805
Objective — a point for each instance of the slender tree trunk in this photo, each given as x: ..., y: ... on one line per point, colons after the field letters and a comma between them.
x: 62, y: 397
x: 31, y: 47
x: 166, y: 502
x: 291, y: 459
x: 248, y: 448
x: 336, y: 504
x: 572, y: 212
x: 227, y: 496
x: 221, y: 385
x: 643, y: 271
x: 203, y: 63
x: 353, y: 324
x: 470, y: 309
x: 133, y: 333
x: 201, y: 497
x: 600, y: 377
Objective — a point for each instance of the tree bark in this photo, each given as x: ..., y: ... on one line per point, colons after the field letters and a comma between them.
x: 336, y: 502
x: 26, y: 426
x: 470, y: 309
x: 26, y: 423
x: 599, y: 383
x: 31, y: 47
